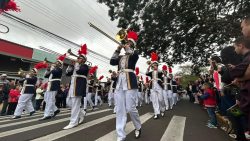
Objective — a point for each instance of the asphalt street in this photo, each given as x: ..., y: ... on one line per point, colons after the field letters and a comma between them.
x: 185, y: 122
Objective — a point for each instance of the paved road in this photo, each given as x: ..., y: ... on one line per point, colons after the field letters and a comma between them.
x: 186, y: 122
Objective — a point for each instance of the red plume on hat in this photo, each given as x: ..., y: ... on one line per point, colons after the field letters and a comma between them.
x: 169, y: 70
x: 164, y: 68
x: 40, y: 65
x: 154, y: 57
x: 61, y: 58
x: 136, y: 70
x: 147, y: 80
x: 101, y: 77
x: 9, y: 5
x: 132, y: 36
x: 92, y: 70
x: 83, y: 51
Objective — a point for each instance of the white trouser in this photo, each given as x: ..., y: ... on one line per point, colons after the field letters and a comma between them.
x: 175, y: 98
x: 146, y: 98
x: 98, y: 98
x: 87, y: 100
x: 139, y: 99
x: 126, y: 103
x: 165, y: 97
x: 76, y: 112
x: 110, y: 98
x: 115, y: 100
x: 24, y: 102
x: 157, y: 101
x: 50, y: 99
x: 170, y: 98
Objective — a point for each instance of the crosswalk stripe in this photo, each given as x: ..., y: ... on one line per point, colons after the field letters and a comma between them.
x: 34, y: 116
x: 175, y: 129
x: 64, y: 133
x: 27, y: 121
x: 27, y: 117
x: 112, y: 136
x: 27, y: 114
x: 20, y: 130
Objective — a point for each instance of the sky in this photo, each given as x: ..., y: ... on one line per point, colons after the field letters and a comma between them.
x: 68, y: 19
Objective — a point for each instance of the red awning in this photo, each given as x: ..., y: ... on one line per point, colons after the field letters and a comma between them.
x: 13, y: 49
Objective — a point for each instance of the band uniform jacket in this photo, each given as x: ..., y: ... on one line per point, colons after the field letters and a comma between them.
x: 140, y: 87
x: 158, y: 77
x: 80, y: 81
x: 174, y: 86
x: 91, y: 86
x: 29, y: 84
x: 98, y: 89
x: 54, y: 77
x: 131, y: 61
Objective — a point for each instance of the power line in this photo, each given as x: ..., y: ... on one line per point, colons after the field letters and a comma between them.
x: 59, y: 37
x: 46, y: 13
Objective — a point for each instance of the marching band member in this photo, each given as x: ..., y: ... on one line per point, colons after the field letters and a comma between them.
x: 170, y: 90
x: 147, y: 91
x: 79, y: 72
x: 156, y: 86
x: 174, y: 88
x: 54, y: 74
x: 90, y: 89
x: 165, y: 86
x: 28, y: 90
x: 126, y: 86
x: 99, y: 91
x: 140, y: 93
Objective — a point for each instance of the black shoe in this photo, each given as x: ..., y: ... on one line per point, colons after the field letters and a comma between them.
x: 56, y: 112
x: 45, y: 118
x: 31, y: 113
x: 16, y: 117
x: 137, y: 133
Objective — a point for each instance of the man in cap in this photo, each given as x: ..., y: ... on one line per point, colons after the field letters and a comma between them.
x: 54, y: 74
x: 4, y: 93
x: 126, y: 86
x: 28, y: 90
x: 78, y: 72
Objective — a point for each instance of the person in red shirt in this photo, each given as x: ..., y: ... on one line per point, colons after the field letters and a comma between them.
x: 209, y: 98
x: 13, y: 99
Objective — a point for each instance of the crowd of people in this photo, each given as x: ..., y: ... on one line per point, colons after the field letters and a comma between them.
x: 225, y: 92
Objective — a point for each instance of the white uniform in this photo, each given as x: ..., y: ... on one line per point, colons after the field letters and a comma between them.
x: 125, y: 103
x: 74, y: 102
x: 157, y: 95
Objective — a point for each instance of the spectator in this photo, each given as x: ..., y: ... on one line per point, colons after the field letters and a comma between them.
x: 39, y: 97
x: 210, y: 103
x: 242, y: 47
x: 4, y: 92
x: 13, y: 99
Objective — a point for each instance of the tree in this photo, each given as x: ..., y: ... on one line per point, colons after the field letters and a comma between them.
x: 180, y: 30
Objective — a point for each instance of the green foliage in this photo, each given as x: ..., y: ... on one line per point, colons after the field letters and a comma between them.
x: 180, y: 30
x: 187, y: 78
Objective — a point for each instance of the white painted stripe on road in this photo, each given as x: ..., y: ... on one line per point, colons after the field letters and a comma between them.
x: 27, y: 121
x: 175, y: 129
x: 112, y: 136
x: 9, y: 118
x: 29, y: 117
x: 24, y: 129
x: 64, y: 133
